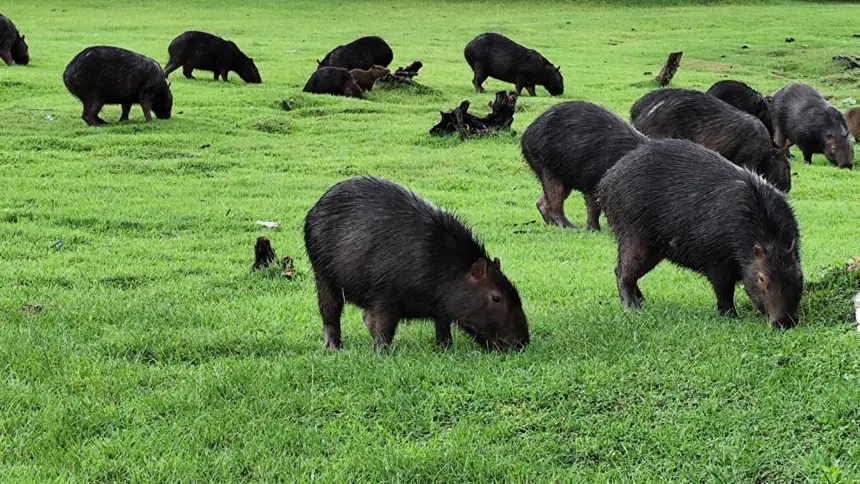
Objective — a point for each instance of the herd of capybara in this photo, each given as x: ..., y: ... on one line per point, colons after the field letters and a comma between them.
x: 697, y: 178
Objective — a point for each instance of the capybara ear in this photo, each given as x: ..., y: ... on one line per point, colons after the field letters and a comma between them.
x: 497, y: 263
x: 759, y: 252
x: 23, y: 37
x: 478, y: 271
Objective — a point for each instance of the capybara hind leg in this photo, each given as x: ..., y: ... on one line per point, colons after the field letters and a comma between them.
x: 555, y: 195
x: 592, y: 209
x: 519, y: 85
x: 126, y: 109
x: 635, y: 259
x: 807, y: 156
x: 224, y: 75
x: 724, y: 288
x: 6, y: 55
x: 187, y: 71
x: 479, y: 78
x: 170, y: 67
x: 443, y: 333
x: 331, y: 307
x: 91, y: 113
x: 382, y: 324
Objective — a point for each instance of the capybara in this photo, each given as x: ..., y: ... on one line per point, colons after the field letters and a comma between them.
x: 852, y: 116
x: 334, y: 81
x: 366, y: 78
x: 745, y: 98
x: 207, y: 52
x: 496, y: 56
x: 676, y: 200
x: 109, y: 75
x: 376, y: 245
x: 569, y: 147
x: 361, y: 53
x: 12, y: 45
x: 802, y: 117
x: 704, y: 119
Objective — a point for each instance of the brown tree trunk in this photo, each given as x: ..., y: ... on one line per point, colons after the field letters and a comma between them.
x: 669, y: 69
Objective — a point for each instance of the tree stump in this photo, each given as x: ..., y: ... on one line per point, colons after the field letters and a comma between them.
x: 264, y: 255
x: 669, y: 69
x: 465, y: 124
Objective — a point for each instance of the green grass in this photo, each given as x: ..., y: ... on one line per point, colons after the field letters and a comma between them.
x: 158, y: 356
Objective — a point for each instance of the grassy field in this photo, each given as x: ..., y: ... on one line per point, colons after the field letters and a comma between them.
x: 157, y: 355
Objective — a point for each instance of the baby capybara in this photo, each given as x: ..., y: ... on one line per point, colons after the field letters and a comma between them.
x: 110, y: 75
x: 745, y: 98
x: 361, y: 53
x: 676, y: 200
x: 12, y: 45
x: 569, y: 147
x: 366, y: 78
x: 496, y: 56
x: 207, y: 52
x: 376, y: 245
x: 853, y: 119
x: 704, y: 119
x: 334, y: 81
x: 802, y: 117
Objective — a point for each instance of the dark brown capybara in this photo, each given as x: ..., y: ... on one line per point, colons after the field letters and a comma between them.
x: 852, y: 117
x: 745, y: 98
x: 494, y: 55
x: 712, y: 123
x: 376, y: 245
x: 13, y: 49
x: 361, y: 53
x: 207, y: 52
x: 109, y: 75
x: 802, y: 117
x: 676, y: 200
x: 334, y: 81
x: 366, y: 78
x: 569, y: 147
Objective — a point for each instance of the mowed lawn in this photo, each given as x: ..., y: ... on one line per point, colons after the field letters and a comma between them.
x: 143, y: 348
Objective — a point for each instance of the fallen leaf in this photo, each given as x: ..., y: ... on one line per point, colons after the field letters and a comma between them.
x: 269, y: 225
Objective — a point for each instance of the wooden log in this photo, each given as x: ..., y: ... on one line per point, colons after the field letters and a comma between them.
x: 669, y: 69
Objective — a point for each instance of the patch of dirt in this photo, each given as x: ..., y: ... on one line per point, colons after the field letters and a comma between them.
x: 707, y: 66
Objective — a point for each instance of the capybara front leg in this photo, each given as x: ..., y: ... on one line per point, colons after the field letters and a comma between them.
x: 592, y: 209
x: 126, y: 110
x: 146, y: 106
x: 724, y: 288
x: 6, y: 55
x: 382, y: 325
x: 443, y: 333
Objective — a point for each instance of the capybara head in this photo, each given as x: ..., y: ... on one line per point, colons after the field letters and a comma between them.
x: 245, y: 66
x: 838, y: 149
x: 162, y: 104
x: 20, y: 52
x: 489, y: 308
x: 378, y: 71
x: 777, y: 169
x: 774, y: 282
x: 554, y: 82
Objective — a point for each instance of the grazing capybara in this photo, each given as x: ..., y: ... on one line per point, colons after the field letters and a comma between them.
x: 745, y: 98
x: 852, y: 116
x: 676, y: 200
x: 207, y: 52
x: 361, y: 53
x: 109, y: 75
x: 496, y: 56
x: 334, y: 81
x: 376, y: 245
x: 12, y: 45
x: 569, y: 147
x: 366, y: 78
x: 704, y: 119
x: 802, y: 117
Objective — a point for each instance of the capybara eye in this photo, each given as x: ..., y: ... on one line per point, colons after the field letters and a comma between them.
x: 496, y: 298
